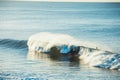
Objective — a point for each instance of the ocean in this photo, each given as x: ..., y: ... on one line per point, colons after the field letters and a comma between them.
x: 95, y: 24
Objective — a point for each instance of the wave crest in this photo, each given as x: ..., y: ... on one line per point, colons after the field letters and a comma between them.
x: 43, y: 42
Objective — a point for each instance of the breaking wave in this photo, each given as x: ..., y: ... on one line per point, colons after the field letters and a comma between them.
x: 88, y: 53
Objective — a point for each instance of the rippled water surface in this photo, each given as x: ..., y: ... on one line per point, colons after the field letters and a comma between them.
x: 18, y: 65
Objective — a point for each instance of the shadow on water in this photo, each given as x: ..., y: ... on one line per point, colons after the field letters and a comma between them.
x: 54, y: 57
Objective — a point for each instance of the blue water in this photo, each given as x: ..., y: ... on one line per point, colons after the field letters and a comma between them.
x: 94, y: 22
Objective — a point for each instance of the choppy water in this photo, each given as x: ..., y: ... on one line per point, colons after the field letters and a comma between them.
x: 95, y: 22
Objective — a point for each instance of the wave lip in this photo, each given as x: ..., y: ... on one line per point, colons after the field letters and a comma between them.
x: 43, y: 42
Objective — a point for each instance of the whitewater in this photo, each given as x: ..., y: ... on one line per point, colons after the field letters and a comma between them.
x: 43, y: 42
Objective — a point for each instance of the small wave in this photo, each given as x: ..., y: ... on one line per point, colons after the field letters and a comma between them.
x: 45, y: 42
x: 10, y: 43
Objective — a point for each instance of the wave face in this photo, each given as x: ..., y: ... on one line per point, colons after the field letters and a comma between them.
x: 10, y: 43
x: 43, y: 42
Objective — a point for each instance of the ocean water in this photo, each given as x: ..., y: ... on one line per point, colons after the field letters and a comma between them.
x: 97, y: 23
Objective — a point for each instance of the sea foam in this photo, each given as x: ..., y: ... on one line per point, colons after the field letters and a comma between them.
x: 88, y: 53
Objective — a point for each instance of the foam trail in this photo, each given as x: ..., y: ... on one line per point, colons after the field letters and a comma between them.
x: 43, y: 42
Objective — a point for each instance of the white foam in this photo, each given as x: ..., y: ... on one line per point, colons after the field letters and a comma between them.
x: 48, y: 40
x: 42, y: 42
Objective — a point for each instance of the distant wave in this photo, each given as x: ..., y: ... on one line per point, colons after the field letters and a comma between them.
x: 10, y: 43
x: 44, y: 42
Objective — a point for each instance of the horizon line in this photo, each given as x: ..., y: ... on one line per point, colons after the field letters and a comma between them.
x: 64, y: 0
